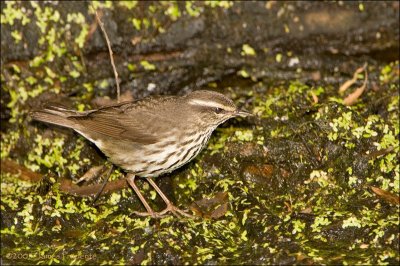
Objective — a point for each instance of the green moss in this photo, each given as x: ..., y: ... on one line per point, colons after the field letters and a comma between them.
x: 243, y: 73
x: 192, y: 9
x: 137, y: 23
x: 315, y: 203
x: 100, y: 5
x: 12, y: 13
x: 248, y: 50
x: 48, y: 153
x: 8, y: 143
x: 172, y: 10
x: 128, y: 4
x: 278, y: 57
x: 219, y: 3
x: 17, y: 36
x: 147, y: 65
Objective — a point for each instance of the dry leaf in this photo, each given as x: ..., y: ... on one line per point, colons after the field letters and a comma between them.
x: 352, y: 98
x: 307, y: 210
x: 214, y: 208
x: 136, y: 40
x: 23, y: 173
x: 386, y: 195
x: 91, y: 173
x: 315, y: 97
x: 91, y: 190
x: 350, y: 82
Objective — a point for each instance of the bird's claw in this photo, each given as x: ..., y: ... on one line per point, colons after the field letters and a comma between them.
x: 170, y: 208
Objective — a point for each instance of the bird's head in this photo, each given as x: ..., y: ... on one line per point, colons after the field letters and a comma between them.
x: 214, y: 108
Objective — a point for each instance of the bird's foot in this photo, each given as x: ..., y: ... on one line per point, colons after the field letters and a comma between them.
x: 177, y: 212
x: 170, y: 208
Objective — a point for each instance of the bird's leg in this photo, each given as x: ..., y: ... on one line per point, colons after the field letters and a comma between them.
x: 170, y: 207
x: 104, y: 183
x: 150, y: 212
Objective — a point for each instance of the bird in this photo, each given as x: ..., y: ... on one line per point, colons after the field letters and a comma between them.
x: 151, y: 136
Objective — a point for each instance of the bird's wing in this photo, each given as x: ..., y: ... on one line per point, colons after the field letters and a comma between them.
x: 118, y: 121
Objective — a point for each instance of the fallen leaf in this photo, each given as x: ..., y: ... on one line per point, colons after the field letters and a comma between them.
x: 386, y: 195
x: 91, y: 173
x: 23, y: 173
x: 220, y: 211
x: 258, y: 173
x: 350, y: 82
x: 136, y: 40
x: 307, y: 210
x: 67, y: 186
x: 214, y: 208
x: 315, y: 97
x: 352, y: 98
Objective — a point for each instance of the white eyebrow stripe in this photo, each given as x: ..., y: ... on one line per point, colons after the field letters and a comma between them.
x: 205, y: 103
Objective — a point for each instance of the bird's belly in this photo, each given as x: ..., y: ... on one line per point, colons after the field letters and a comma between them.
x: 154, y: 159
x: 183, y: 152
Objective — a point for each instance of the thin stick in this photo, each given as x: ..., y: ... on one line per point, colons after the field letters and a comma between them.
x: 111, y: 54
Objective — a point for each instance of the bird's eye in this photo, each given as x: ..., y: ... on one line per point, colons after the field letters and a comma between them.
x: 218, y: 110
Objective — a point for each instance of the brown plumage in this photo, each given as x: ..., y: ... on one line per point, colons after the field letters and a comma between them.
x: 152, y: 136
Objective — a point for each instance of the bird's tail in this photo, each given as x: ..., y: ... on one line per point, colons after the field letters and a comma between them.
x: 55, y: 115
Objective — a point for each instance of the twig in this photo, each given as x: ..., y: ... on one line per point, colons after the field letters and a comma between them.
x: 352, y: 98
x: 350, y: 82
x: 111, y: 54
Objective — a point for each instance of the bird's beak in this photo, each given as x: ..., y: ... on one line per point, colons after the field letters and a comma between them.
x: 243, y: 113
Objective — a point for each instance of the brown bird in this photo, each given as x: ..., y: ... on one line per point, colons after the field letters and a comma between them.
x: 149, y: 137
